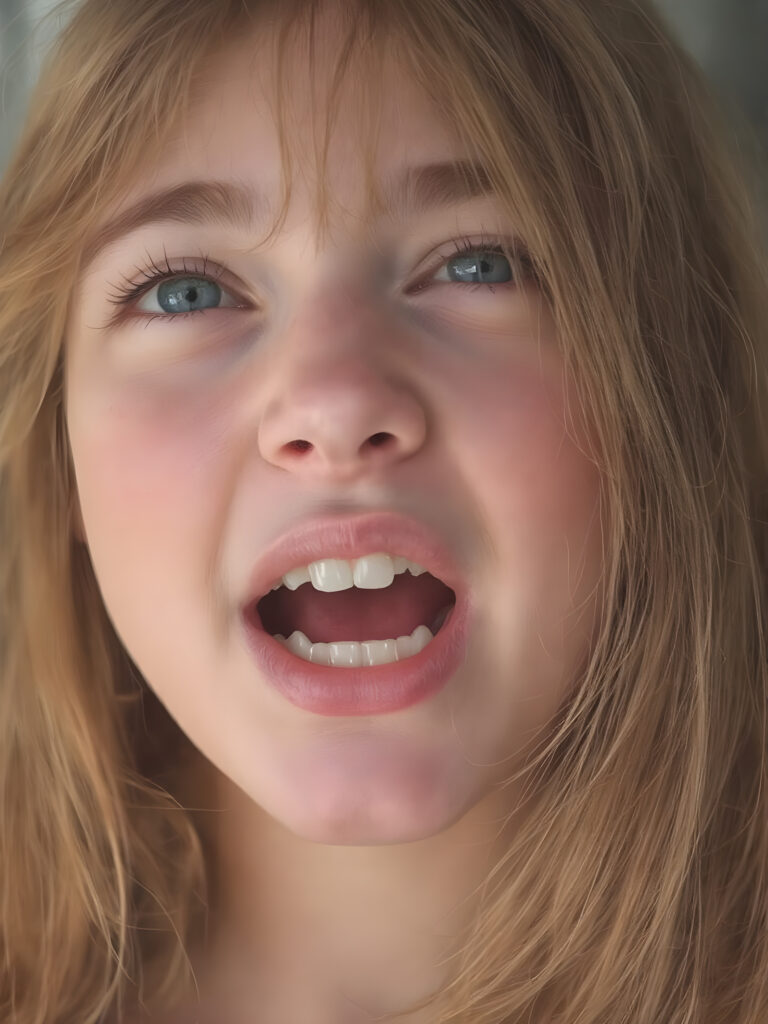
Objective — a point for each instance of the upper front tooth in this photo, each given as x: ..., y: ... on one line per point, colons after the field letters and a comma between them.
x: 294, y: 579
x: 370, y: 572
x: 374, y: 571
x: 330, y: 574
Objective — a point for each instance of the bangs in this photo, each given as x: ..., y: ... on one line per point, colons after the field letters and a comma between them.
x: 346, y: 51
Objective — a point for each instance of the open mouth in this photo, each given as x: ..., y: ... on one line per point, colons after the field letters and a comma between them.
x: 354, y: 627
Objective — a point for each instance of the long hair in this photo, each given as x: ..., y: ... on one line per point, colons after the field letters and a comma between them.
x: 638, y: 891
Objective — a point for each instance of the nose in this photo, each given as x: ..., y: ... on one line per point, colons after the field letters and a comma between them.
x: 340, y: 405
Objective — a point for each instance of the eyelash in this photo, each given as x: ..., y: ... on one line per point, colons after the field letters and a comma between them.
x: 128, y: 291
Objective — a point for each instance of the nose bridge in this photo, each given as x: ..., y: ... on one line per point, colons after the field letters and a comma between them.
x: 338, y: 333
x: 334, y: 313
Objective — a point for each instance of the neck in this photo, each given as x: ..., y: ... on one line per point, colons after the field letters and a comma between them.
x: 340, y: 933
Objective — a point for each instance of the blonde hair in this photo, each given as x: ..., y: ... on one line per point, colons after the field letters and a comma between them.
x: 639, y: 890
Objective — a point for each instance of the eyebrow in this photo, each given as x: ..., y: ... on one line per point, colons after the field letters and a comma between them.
x: 415, y: 191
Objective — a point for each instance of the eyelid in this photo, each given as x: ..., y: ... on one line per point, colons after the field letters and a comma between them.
x: 127, y: 294
x: 511, y: 246
x: 130, y: 292
x: 186, y: 275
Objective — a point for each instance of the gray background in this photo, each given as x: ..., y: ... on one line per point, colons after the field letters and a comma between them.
x: 729, y: 39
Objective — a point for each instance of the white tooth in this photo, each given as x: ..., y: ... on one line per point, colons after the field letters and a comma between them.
x: 320, y: 654
x: 406, y: 647
x: 280, y: 637
x: 374, y: 572
x: 380, y: 652
x: 330, y: 574
x: 421, y: 637
x: 345, y: 655
x: 299, y: 643
x: 351, y: 654
x: 294, y: 579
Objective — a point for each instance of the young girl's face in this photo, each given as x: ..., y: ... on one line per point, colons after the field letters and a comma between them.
x: 182, y: 431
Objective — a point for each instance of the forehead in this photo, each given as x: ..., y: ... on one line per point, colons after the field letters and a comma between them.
x: 246, y: 102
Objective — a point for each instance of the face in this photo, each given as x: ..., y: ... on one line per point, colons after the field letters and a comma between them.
x: 182, y: 431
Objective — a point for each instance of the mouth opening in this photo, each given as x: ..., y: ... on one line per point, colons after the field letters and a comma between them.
x: 357, y: 614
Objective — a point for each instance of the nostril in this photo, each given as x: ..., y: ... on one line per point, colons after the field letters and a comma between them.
x: 375, y: 440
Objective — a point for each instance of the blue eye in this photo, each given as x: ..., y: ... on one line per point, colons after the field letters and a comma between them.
x: 181, y: 296
x: 186, y: 295
x: 483, y: 266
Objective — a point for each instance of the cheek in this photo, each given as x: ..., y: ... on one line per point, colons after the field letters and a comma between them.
x: 534, y: 471
x: 540, y: 495
x: 145, y: 472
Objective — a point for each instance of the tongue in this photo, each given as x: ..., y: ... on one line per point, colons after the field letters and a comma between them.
x: 358, y: 614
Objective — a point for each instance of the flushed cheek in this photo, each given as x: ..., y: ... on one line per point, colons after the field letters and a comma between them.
x: 146, y: 475
x: 516, y: 440
x: 540, y: 500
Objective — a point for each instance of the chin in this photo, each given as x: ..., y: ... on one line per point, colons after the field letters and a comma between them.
x: 376, y: 801
x: 361, y: 828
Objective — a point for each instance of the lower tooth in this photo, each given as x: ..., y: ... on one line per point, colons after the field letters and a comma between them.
x: 320, y: 654
x: 379, y: 652
x: 354, y: 655
x: 345, y: 655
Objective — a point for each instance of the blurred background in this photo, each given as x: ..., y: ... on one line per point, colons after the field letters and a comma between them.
x: 728, y: 38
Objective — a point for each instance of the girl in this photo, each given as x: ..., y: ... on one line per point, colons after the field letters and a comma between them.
x: 384, y: 468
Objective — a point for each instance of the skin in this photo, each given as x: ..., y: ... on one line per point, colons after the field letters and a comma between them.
x: 179, y: 435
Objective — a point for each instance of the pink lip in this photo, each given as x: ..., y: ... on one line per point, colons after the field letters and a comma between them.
x: 373, y: 690
x: 376, y: 690
x: 351, y: 537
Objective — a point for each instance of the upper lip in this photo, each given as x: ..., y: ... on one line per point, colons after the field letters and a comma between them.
x: 351, y: 537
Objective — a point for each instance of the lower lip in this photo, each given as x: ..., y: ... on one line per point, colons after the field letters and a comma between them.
x: 375, y: 690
